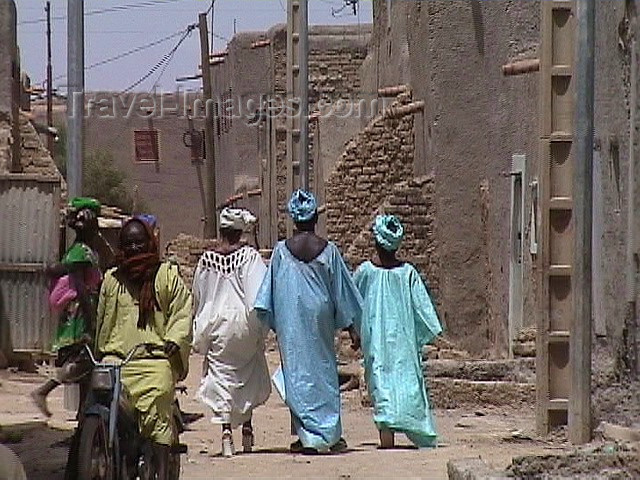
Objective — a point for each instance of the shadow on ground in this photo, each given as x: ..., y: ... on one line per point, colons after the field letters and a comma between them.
x: 42, y: 451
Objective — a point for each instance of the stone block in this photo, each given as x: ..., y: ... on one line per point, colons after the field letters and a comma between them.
x: 473, y: 469
x: 454, y: 393
x: 519, y: 370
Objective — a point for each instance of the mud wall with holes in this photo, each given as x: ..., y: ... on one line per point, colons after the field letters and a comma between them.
x: 475, y: 119
x: 611, y: 186
x: 375, y: 175
x: 9, y: 85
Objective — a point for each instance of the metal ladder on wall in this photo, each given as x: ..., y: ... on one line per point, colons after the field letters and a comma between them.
x: 556, y: 160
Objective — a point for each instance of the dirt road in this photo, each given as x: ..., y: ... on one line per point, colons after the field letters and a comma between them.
x: 483, y: 432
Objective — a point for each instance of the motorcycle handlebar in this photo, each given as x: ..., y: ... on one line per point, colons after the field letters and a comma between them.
x: 149, y: 348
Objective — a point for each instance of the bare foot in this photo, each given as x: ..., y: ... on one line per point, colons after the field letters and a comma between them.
x: 40, y: 401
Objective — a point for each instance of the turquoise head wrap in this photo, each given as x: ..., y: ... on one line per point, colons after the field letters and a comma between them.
x: 302, y: 206
x: 388, y: 232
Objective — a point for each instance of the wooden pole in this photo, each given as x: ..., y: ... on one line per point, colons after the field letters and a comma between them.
x: 303, y: 91
x: 521, y: 66
x: 580, y: 347
x: 210, y: 219
x: 50, y: 140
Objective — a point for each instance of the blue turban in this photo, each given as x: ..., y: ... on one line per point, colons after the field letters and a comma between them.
x: 302, y: 206
x: 388, y: 232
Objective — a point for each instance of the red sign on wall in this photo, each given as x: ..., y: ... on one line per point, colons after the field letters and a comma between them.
x: 147, y: 145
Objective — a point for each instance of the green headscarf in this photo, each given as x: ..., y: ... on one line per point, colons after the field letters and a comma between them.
x: 80, y: 203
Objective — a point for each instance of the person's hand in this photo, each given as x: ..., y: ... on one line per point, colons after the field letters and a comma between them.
x: 171, y: 348
x: 52, y: 270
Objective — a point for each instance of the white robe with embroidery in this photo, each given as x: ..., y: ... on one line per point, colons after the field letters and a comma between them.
x: 229, y: 334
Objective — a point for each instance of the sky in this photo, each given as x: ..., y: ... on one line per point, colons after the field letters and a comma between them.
x: 114, y: 27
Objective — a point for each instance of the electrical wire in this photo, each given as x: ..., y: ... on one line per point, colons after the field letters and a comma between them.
x: 166, y: 58
x: 337, y: 12
x: 127, y: 53
x: 116, y: 8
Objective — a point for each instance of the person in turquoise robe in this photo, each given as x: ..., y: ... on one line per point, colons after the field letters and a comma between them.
x: 306, y: 296
x: 398, y: 320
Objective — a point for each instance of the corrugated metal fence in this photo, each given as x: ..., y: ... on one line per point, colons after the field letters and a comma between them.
x: 29, y: 239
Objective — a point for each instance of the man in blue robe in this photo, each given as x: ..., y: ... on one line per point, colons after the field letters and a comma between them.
x: 307, y: 294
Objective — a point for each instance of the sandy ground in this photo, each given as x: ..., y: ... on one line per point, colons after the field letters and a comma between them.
x: 481, y: 432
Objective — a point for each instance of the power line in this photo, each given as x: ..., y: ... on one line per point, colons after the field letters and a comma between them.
x: 353, y: 4
x: 166, y: 58
x: 127, y: 53
x: 117, y: 8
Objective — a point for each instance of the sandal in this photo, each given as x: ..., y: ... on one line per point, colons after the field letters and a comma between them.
x: 296, y: 447
x: 339, y: 447
x: 248, y: 440
x: 228, y: 450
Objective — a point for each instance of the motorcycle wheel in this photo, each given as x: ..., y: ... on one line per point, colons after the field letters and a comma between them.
x: 94, y: 459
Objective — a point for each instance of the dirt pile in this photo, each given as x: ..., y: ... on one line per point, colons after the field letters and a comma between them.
x: 615, y: 396
x: 608, y: 461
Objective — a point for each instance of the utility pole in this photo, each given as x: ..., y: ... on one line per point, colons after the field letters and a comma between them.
x: 213, y: 43
x: 297, y: 97
x: 210, y: 220
x: 50, y: 142
x: 75, y: 96
x: 580, y: 349
x: 303, y: 57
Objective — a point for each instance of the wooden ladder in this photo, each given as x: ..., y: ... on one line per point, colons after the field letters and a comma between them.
x: 555, y: 262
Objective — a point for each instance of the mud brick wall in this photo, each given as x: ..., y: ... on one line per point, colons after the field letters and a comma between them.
x: 333, y: 73
x: 35, y: 158
x: 377, y: 158
x: 413, y: 202
x: 185, y: 251
x: 375, y: 175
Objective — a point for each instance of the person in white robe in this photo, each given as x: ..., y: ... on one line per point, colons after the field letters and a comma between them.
x: 227, y: 331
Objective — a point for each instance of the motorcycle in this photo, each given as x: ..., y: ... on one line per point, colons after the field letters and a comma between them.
x: 110, y: 445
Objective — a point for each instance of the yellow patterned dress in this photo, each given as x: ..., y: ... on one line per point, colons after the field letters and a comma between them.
x: 150, y: 382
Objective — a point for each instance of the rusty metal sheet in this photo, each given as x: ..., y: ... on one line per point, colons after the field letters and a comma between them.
x: 29, y: 239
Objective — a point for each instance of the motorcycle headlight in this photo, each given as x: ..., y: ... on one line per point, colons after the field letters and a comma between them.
x: 101, y: 379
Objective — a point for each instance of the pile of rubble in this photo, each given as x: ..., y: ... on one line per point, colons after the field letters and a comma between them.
x: 524, y: 345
